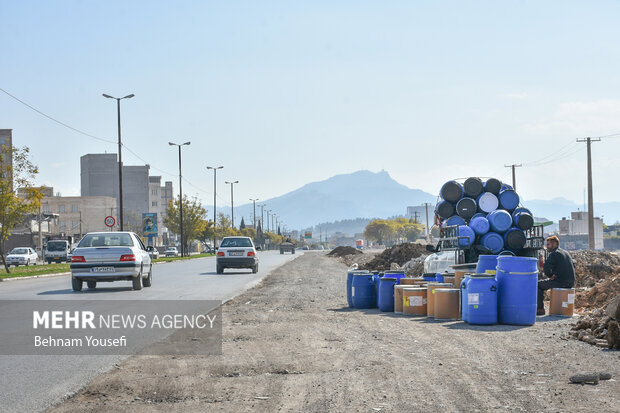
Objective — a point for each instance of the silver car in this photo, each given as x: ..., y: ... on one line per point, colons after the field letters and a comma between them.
x: 22, y: 256
x: 236, y: 252
x: 111, y: 256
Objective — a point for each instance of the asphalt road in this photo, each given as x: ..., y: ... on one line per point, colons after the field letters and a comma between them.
x: 33, y: 383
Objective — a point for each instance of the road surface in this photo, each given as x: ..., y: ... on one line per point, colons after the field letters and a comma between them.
x: 33, y: 383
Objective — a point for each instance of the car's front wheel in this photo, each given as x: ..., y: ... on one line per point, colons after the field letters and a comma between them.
x: 91, y: 284
x: 76, y: 283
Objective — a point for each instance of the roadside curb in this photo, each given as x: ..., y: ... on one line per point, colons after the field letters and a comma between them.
x: 35, y: 276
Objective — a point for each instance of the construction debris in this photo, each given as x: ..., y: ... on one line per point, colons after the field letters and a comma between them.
x: 600, y: 326
x: 592, y: 378
x: 594, y: 266
x: 398, y: 254
x: 343, y: 251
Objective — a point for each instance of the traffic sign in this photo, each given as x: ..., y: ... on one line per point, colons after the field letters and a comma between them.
x: 110, y: 221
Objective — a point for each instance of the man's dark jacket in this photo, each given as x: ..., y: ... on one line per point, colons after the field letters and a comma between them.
x: 560, y: 264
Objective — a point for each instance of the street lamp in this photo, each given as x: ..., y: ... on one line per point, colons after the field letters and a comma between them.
x: 180, y: 194
x: 120, y: 158
x: 262, y: 222
x: 232, y: 203
x: 254, y: 202
x: 268, y: 211
x: 215, y: 168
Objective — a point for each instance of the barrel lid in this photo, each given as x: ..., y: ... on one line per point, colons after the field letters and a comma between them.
x: 402, y: 286
x: 386, y: 278
x: 415, y: 289
x: 447, y: 290
x: 437, y: 284
x: 362, y: 274
x: 471, y: 266
x: 481, y: 275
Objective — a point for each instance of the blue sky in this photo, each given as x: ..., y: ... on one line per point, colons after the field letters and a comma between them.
x: 283, y: 93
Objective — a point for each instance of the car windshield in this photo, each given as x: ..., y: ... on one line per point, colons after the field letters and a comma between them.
x: 56, y: 245
x: 171, y: 249
x: 236, y: 242
x: 19, y: 251
x: 106, y: 240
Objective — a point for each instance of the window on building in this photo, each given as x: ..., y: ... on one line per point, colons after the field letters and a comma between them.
x: 45, y: 209
x: 75, y: 208
x: 62, y: 208
x: 154, y: 203
x: 153, y: 191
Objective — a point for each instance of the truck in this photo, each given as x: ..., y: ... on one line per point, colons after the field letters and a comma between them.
x: 287, y: 247
x: 57, y: 249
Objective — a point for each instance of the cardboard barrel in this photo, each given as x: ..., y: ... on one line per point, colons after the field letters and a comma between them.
x: 562, y: 302
x: 409, y: 281
x: 398, y: 297
x: 450, y: 279
x: 458, y: 277
x: 430, y: 296
x: 414, y: 301
x: 447, y: 304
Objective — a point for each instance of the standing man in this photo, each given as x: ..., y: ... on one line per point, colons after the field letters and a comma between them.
x: 559, y: 268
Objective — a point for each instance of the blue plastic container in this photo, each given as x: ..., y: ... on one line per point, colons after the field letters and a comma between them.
x: 487, y: 202
x: 350, y: 281
x: 466, y: 207
x: 482, y: 299
x: 505, y: 187
x: 500, y: 221
x: 464, y: 309
x: 444, y: 209
x: 492, y: 241
x: 514, y: 239
x: 493, y: 186
x: 508, y: 199
x: 385, y: 296
x: 439, y: 278
x: 430, y: 277
x: 522, y: 220
x: 465, y: 231
x: 517, y: 283
x: 451, y: 191
x: 454, y: 220
x: 479, y: 214
x: 487, y: 264
x: 363, y: 293
x: 395, y: 274
x: 480, y: 225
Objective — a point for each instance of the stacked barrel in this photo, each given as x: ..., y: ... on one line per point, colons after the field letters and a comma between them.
x: 488, y: 214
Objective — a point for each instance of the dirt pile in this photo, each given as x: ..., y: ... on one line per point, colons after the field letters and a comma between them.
x: 599, y: 325
x: 398, y: 254
x: 593, y: 266
x: 599, y: 295
x: 343, y: 251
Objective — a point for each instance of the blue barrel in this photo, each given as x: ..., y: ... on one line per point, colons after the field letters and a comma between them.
x: 522, y: 220
x: 508, y: 199
x: 349, y: 282
x: 465, y: 231
x: 493, y: 186
x: 363, y: 293
x: 454, y: 220
x: 395, y: 274
x: 517, y: 283
x: 439, y: 278
x: 451, y: 191
x: 500, y: 221
x: 507, y: 253
x: 444, y: 209
x: 473, y: 187
x: 430, y: 277
x: 487, y: 202
x: 385, y: 295
x: 514, y: 239
x: 486, y: 264
x: 466, y: 207
x: 505, y: 187
x: 482, y: 299
x: 464, y: 309
x: 479, y: 214
x: 480, y: 225
x: 493, y: 242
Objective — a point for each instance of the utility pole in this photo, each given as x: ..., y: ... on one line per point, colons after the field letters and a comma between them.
x: 416, y: 214
x: 254, y: 202
x: 514, y: 175
x: 215, y: 168
x: 428, y: 230
x: 268, y: 211
x: 232, y: 203
x: 180, y: 195
x: 588, y: 142
x: 262, y: 217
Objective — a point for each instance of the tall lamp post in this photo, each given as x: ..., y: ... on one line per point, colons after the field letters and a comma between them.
x: 262, y: 222
x: 232, y: 203
x: 120, y: 157
x: 215, y: 168
x: 268, y: 211
x: 254, y: 202
x: 180, y: 195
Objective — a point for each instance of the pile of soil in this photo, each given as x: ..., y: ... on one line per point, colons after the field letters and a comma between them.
x: 593, y: 266
x: 342, y: 251
x: 598, y: 296
x: 398, y: 254
x: 601, y: 326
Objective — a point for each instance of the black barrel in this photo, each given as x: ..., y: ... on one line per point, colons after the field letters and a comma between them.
x: 466, y: 208
x: 451, y: 191
x: 473, y: 187
x: 514, y: 239
x: 493, y: 186
x: 444, y: 209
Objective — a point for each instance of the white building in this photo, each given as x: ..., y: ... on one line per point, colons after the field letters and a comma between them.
x: 578, y: 225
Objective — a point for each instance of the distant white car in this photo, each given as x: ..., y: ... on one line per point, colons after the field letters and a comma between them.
x: 172, y: 252
x: 22, y: 256
x: 236, y: 252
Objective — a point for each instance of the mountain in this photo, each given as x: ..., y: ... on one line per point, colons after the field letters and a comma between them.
x: 362, y: 194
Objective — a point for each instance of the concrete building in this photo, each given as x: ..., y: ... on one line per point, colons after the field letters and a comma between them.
x: 159, y: 196
x: 6, y: 139
x: 574, y: 229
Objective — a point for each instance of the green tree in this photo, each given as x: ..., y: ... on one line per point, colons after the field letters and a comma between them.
x: 242, y: 224
x: 194, y: 219
x: 224, y: 227
x: 16, y: 171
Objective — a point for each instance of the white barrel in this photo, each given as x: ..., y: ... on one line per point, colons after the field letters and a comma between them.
x: 487, y: 202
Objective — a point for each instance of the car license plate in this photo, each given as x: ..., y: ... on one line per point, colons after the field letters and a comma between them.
x: 236, y: 253
x: 102, y: 269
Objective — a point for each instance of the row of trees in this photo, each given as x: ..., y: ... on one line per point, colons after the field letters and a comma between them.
x: 196, y: 225
x: 393, y: 231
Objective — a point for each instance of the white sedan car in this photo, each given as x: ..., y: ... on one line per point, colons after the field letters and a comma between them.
x: 22, y: 256
x: 236, y: 252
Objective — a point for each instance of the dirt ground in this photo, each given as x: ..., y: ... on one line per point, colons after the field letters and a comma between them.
x: 292, y: 344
